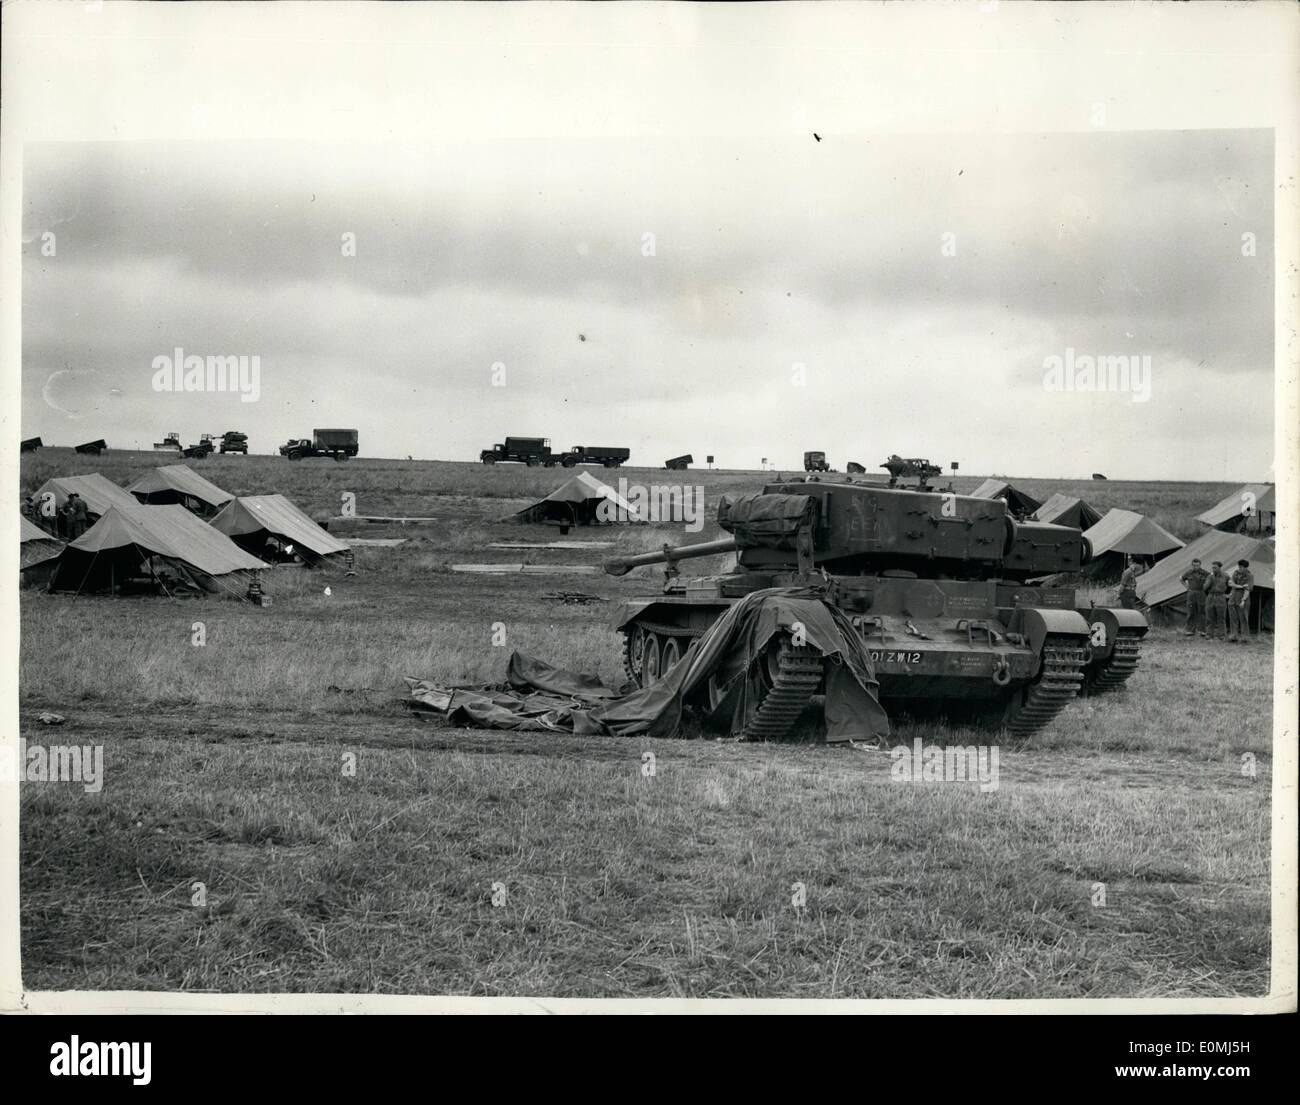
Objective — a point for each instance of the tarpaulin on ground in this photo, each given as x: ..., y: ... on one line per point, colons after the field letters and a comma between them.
x: 765, y: 521
x: 539, y: 696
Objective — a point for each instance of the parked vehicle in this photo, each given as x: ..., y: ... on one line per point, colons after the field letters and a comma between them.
x: 93, y: 448
x: 815, y: 461
x: 232, y: 441
x: 609, y: 455
x: 679, y: 464
x: 531, y: 451
x: 339, y: 444
x: 170, y: 443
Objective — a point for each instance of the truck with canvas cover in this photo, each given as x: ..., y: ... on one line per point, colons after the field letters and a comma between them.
x: 339, y: 444
x: 611, y: 456
x: 946, y: 591
x: 815, y: 461
x: 531, y: 451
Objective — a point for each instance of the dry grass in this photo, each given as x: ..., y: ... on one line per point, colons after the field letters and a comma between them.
x: 224, y: 765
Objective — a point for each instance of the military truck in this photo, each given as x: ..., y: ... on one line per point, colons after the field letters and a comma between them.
x: 946, y: 591
x: 679, y: 464
x: 610, y: 456
x: 232, y: 441
x: 339, y: 444
x: 531, y: 451
x: 815, y: 461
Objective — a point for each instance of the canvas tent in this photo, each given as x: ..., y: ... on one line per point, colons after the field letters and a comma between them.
x: 178, y: 483
x: 161, y: 542
x: 35, y: 546
x: 1249, y: 509
x: 99, y: 493
x: 1122, y: 534
x: 269, y: 525
x: 1067, y: 510
x: 1162, y: 586
x: 576, y: 502
x: 1017, y: 502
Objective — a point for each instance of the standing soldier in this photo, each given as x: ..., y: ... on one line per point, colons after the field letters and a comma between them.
x: 1240, y: 584
x: 80, y: 514
x: 63, y: 520
x: 1194, y: 580
x: 1128, y: 597
x: 1216, y: 599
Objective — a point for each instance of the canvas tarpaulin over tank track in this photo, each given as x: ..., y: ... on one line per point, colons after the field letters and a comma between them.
x: 539, y: 696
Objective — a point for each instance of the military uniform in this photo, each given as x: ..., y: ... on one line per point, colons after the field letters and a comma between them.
x: 1239, y: 583
x: 80, y: 516
x: 1128, y: 595
x: 1216, y: 602
x: 1194, y: 580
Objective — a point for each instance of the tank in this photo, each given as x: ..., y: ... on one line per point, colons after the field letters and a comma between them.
x: 953, y: 597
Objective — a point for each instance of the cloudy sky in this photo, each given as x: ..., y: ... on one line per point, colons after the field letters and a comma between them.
x: 743, y: 297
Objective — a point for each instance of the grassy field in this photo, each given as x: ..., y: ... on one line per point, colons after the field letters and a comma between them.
x: 1124, y: 853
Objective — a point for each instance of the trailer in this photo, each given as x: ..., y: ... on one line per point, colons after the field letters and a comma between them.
x: 531, y: 451
x: 611, y: 456
x: 679, y: 464
x: 339, y: 444
x: 92, y: 448
x: 30, y: 444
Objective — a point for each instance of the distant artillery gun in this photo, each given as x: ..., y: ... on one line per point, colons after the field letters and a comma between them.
x: 92, y: 448
x: 918, y: 468
x: 197, y: 452
x: 679, y: 464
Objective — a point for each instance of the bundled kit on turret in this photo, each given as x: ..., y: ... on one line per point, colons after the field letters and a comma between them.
x: 954, y: 597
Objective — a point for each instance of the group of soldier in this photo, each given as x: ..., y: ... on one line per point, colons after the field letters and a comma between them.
x: 1218, y: 603
x: 67, y: 522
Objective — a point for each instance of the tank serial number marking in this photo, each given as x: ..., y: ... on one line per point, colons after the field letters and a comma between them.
x: 892, y: 656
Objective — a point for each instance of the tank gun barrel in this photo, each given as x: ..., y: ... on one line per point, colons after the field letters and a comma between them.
x: 669, y: 554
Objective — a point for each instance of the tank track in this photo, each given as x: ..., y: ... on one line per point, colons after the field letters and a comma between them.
x: 1059, y: 684
x: 798, y: 674
x: 1122, y: 662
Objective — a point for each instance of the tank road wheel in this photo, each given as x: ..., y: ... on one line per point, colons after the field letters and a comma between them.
x: 650, y: 660
x: 1035, y: 705
x: 1112, y: 672
x: 669, y: 653
x: 633, y: 652
x: 790, y: 675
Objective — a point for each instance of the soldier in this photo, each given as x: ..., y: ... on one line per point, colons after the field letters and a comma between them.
x: 80, y: 514
x: 63, y: 520
x: 1194, y: 580
x: 1240, y: 584
x: 1128, y: 585
x: 1216, y: 599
